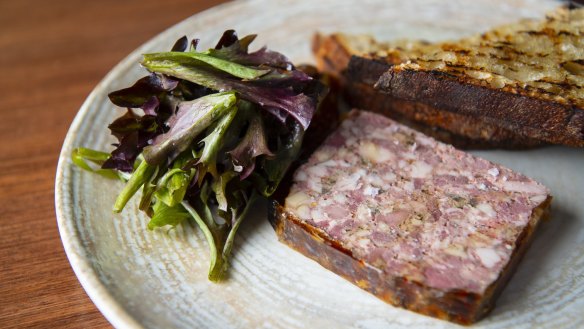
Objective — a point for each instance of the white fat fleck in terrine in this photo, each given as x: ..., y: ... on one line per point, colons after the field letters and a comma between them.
x: 417, y: 222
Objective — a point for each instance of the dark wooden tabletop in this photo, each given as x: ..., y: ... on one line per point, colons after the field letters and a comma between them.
x: 52, y: 54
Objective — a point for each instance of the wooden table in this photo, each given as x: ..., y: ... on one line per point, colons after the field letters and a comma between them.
x: 52, y: 54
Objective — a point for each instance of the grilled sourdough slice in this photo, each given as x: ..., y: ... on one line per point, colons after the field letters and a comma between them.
x: 359, y: 74
x: 414, y: 221
x: 512, y: 86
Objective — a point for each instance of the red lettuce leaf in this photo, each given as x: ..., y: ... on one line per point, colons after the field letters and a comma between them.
x: 236, y: 50
x: 133, y: 133
x: 181, y: 44
x: 228, y: 38
x: 251, y: 146
x: 139, y: 93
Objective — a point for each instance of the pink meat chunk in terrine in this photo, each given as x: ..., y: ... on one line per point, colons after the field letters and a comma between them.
x: 412, y: 206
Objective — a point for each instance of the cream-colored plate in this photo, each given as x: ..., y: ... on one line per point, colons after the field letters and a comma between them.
x: 139, y: 278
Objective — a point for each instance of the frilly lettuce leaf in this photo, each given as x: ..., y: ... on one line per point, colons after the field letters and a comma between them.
x: 252, y: 145
x: 191, y: 119
x: 139, y: 93
x: 296, y: 104
x: 265, y: 78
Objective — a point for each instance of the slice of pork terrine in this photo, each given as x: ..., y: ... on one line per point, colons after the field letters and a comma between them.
x: 414, y: 221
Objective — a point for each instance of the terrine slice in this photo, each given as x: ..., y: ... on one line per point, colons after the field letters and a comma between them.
x: 414, y: 221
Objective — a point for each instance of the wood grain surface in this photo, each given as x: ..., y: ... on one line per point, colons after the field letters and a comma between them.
x: 52, y: 54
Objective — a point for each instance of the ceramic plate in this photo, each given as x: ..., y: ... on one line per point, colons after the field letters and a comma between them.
x: 143, y: 279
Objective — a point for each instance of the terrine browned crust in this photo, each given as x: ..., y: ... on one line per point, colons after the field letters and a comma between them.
x: 514, y: 86
x: 415, y: 222
x: 456, y: 305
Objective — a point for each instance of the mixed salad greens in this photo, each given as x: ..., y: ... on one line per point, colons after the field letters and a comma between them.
x: 205, y: 134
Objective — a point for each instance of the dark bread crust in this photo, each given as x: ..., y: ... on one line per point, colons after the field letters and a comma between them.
x: 455, y: 305
x: 532, y: 117
x: 460, y: 130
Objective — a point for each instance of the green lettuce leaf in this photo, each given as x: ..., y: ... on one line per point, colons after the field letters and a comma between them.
x: 167, y: 216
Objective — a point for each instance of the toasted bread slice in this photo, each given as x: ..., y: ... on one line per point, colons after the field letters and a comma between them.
x: 333, y: 55
x: 517, y: 85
